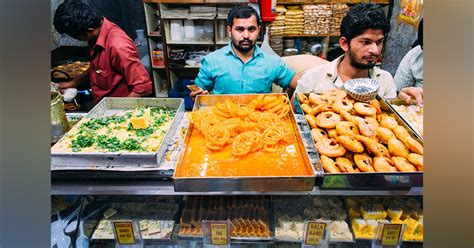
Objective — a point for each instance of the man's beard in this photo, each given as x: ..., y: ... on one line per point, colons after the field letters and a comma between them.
x: 358, y: 65
x: 244, y: 49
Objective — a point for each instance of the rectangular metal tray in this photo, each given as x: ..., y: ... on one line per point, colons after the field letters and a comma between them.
x: 396, y: 101
x: 145, y: 161
x: 257, y: 183
x: 369, y: 180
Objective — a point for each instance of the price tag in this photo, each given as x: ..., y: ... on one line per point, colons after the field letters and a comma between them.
x: 216, y: 233
x: 314, y: 233
x: 219, y: 234
x: 124, y: 232
x: 391, y: 234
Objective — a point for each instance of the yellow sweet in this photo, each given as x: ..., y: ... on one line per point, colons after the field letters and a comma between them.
x: 141, y: 121
x: 359, y: 225
x: 394, y: 213
x: 411, y: 225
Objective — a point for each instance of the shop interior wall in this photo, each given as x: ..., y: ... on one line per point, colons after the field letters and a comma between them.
x: 399, y: 41
x: 127, y: 14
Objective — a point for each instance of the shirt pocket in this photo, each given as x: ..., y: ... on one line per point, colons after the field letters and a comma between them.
x: 101, y: 79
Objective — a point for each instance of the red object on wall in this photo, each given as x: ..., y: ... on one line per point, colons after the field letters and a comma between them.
x: 267, y: 10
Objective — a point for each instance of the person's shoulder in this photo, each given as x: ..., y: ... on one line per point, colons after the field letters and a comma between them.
x: 217, y: 54
x: 319, y: 69
x: 385, y: 76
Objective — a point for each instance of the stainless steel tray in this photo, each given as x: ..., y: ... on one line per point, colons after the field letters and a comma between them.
x: 368, y: 180
x: 133, y: 161
x: 257, y: 183
x: 396, y: 101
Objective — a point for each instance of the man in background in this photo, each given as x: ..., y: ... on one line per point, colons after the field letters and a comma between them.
x: 115, y: 68
x: 363, y: 31
x: 242, y: 67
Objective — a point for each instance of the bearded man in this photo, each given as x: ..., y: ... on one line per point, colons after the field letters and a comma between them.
x: 242, y: 67
x: 363, y: 31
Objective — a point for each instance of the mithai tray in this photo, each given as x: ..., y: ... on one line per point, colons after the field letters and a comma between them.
x: 394, y: 103
x: 206, y: 165
x: 120, y: 160
x: 371, y: 179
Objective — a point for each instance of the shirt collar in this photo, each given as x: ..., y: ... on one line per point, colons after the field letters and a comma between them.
x: 229, y: 50
x: 104, y: 30
x: 332, y: 72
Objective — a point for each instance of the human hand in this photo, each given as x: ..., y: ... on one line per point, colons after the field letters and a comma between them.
x: 410, y: 93
x: 193, y: 94
x: 66, y: 85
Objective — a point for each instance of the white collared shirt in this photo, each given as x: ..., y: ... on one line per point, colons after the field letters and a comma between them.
x: 324, y: 78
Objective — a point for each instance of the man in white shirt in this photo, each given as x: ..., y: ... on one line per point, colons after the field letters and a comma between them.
x: 363, y: 31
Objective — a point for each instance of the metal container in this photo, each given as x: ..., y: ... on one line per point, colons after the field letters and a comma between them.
x: 59, y: 123
x: 395, y: 101
x: 257, y: 183
x: 368, y: 180
x: 112, y: 105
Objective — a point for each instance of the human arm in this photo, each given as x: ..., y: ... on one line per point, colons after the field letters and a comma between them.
x: 410, y: 93
x: 204, y: 80
x: 285, y: 77
x: 80, y: 81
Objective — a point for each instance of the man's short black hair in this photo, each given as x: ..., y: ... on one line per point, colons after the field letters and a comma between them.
x: 420, y: 33
x: 242, y: 12
x: 75, y: 17
x: 362, y: 17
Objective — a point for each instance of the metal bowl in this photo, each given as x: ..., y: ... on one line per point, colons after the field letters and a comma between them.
x: 362, y: 89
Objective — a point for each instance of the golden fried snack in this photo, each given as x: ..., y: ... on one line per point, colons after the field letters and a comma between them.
x: 318, y: 133
x: 216, y: 138
x: 329, y: 165
x: 413, y: 145
x: 333, y: 95
x: 374, y: 147
x: 302, y: 98
x: 332, y: 133
x: 364, y: 108
x: 389, y: 122
x: 364, y: 162
x: 307, y: 109
x: 348, y: 116
x: 384, y: 134
x: 327, y: 119
x: 330, y: 148
x: 317, y: 99
x: 311, y: 121
x: 246, y: 142
x: 403, y: 165
x: 366, y: 128
x: 343, y: 104
x: 346, y: 128
x: 350, y: 143
x: 397, y: 148
x: 383, y: 164
x: 372, y: 121
x: 416, y: 159
x: 345, y: 165
x: 376, y: 104
x: 401, y: 133
x: 272, y: 135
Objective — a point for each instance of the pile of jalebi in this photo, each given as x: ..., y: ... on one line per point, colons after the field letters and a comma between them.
x: 248, y: 128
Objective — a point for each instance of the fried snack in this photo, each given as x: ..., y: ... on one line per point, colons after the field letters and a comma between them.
x: 397, y: 148
x: 332, y: 133
x: 364, y: 162
x: 350, y: 143
x: 376, y: 104
x: 401, y: 133
x: 311, y: 120
x: 364, y: 108
x: 383, y: 164
x: 248, y: 128
x: 343, y: 104
x: 330, y: 148
x: 302, y: 98
x: 413, y: 145
x: 374, y: 147
x: 384, y: 134
x: 403, y: 165
x: 327, y: 119
x: 318, y: 133
x: 416, y: 159
x: 389, y: 122
x: 365, y: 127
x: 329, y: 165
x: 347, y: 128
x: 346, y: 165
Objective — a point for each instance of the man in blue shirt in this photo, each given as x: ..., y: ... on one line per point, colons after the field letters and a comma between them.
x: 242, y: 67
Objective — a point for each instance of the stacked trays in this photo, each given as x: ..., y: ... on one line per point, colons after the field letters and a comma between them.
x: 294, y: 21
x: 339, y: 10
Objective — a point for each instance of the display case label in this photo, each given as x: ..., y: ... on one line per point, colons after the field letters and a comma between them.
x: 314, y: 232
x: 219, y: 233
x: 391, y: 234
x: 124, y: 232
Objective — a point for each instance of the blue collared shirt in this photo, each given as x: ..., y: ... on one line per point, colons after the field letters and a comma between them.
x: 222, y: 72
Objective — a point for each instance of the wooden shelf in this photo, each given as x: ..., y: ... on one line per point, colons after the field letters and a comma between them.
x: 196, y: 1
x: 202, y: 43
x: 186, y: 67
x: 306, y: 35
x: 155, y: 35
x: 158, y: 67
